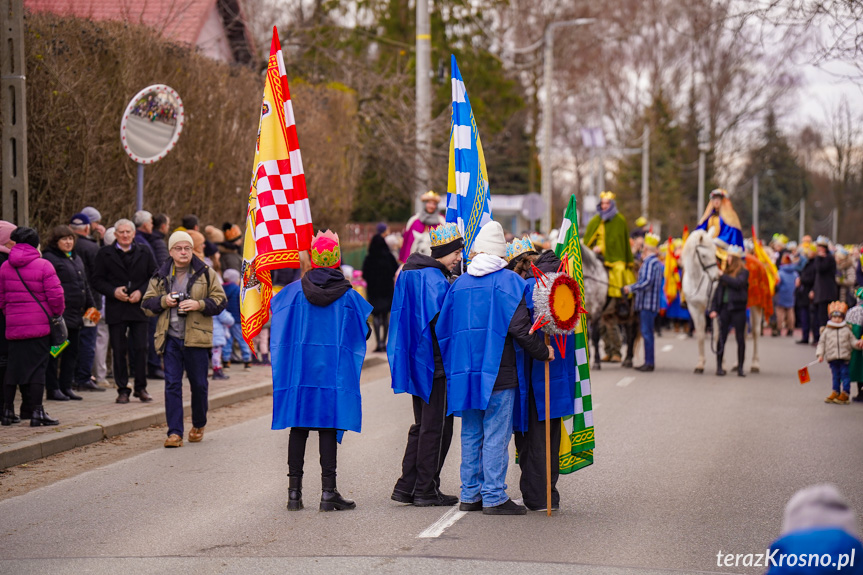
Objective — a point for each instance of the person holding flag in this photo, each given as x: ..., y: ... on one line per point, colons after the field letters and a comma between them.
x: 468, y: 195
x: 417, y: 367
x: 648, y: 291
x: 318, y: 342
x: 278, y: 221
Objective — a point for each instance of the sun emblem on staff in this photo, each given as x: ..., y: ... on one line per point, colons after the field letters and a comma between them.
x: 557, y: 303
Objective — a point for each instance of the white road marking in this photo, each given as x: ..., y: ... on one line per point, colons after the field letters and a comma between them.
x: 625, y: 381
x: 667, y: 347
x: 448, y: 519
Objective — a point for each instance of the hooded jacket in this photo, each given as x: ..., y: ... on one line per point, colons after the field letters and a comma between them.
x: 836, y: 342
x: 76, y: 289
x: 25, y: 319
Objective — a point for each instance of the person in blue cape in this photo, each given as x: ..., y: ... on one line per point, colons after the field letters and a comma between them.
x: 483, y: 313
x: 819, y: 535
x: 318, y: 337
x: 529, y: 420
x: 721, y: 217
x: 417, y: 367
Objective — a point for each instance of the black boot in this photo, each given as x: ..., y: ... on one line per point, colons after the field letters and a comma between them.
x: 740, y: 372
x: 71, y: 394
x: 295, y: 493
x: 859, y: 396
x: 9, y: 416
x: 331, y: 500
x: 39, y: 417
x: 56, y: 395
x: 719, y: 370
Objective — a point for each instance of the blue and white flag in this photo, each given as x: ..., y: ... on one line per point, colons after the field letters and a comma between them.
x: 468, y: 202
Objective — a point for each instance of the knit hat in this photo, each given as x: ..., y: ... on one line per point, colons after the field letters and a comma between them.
x: 24, y: 235
x: 198, y: 242
x: 231, y: 276
x: 490, y: 240
x: 818, y: 506
x: 6, y: 229
x: 180, y: 237
x: 92, y: 214
x: 214, y: 234
x: 232, y: 233
x: 80, y: 220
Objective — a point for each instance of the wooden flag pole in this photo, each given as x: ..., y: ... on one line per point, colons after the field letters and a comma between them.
x: 547, y: 437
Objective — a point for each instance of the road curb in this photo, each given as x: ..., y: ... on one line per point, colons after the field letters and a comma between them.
x: 64, y: 440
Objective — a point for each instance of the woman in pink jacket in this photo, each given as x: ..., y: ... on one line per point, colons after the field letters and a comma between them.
x: 29, y: 291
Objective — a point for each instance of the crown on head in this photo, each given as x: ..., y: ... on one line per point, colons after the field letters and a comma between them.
x: 430, y: 196
x: 325, y: 251
x: 444, y: 234
x: 607, y: 196
x: 518, y: 247
x: 719, y: 193
x: 837, y: 306
x: 651, y: 240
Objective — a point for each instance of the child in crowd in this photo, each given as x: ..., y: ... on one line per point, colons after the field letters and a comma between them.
x: 221, y: 325
x: 836, y: 344
x: 232, y: 280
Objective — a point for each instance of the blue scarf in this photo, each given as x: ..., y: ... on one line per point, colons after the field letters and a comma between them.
x: 610, y: 212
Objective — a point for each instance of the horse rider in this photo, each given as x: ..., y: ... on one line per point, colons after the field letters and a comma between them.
x: 608, y: 236
x: 722, y: 219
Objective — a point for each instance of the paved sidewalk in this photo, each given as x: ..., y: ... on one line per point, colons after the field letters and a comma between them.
x: 97, y: 416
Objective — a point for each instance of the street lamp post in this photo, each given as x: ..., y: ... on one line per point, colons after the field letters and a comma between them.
x: 703, y: 147
x: 423, y: 98
x: 548, y: 70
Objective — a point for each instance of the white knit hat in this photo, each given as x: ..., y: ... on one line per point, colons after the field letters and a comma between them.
x: 180, y: 236
x: 490, y: 240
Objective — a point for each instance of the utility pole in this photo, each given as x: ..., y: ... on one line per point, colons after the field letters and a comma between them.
x: 423, y: 99
x: 835, y: 218
x: 13, y: 84
x: 801, y: 227
x: 702, y: 168
x: 645, y: 169
x: 547, y: 113
x: 755, y: 205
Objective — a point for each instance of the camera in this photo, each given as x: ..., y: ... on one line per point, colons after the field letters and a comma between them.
x: 178, y: 297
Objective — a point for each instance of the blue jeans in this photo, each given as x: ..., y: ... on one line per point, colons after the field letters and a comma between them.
x: 86, y: 354
x: 485, y: 438
x: 195, y: 361
x: 236, y: 334
x: 841, y: 375
x: 647, y: 319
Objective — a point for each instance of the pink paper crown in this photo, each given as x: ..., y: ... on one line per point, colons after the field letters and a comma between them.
x: 325, y: 250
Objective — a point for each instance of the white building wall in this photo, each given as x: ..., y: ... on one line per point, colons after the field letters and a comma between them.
x: 213, y: 42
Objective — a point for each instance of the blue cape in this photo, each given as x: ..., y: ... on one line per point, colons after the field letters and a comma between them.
x: 825, y: 541
x: 317, y: 354
x: 730, y: 235
x: 471, y: 331
x: 418, y: 298
x: 531, y: 378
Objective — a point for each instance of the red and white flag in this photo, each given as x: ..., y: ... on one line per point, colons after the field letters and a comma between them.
x: 278, y: 221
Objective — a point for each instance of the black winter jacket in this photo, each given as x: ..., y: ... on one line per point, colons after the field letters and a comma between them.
x: 116, y: 268
x: 157, y: 244
x: 737, y: 289
x: 519, y: 328
x: 76, y: 288
x: 825, y: 287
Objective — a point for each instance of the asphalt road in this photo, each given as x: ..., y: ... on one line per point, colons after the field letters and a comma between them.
x: 686, y: 466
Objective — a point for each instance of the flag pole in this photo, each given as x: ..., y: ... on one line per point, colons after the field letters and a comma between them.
x: 547, y: 437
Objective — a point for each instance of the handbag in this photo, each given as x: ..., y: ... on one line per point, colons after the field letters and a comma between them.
x: 59, y: 332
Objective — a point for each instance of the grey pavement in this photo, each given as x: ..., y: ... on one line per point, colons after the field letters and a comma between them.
x: 686, y: 466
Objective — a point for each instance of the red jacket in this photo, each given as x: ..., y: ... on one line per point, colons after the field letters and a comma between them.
x: 24, y: 318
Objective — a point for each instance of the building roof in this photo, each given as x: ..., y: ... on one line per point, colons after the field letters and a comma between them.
x: 177, y: 20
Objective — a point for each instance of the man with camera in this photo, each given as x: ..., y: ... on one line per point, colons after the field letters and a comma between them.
x: 121, y: 274
x: 184, y: 294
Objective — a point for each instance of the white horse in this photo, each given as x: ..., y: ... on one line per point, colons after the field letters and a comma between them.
x: 700, y: 276
x: 596, y: 293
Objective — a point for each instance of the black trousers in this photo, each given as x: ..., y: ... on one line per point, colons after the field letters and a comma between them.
x: 732, y: 319
x: 297, y: 451
x: 121, y: 345
x: 820, y: 319
x: 531, y: 459
x: 429, y: 439
x: 65, y: 363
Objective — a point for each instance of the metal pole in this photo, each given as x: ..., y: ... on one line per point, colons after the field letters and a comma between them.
x: 801, y: 228
x: 423, y: 98
x: 645, y: 168
x: 755, y: 206
x: 13, y: 87
x: 835, y: 219
x: 548, y: 69
x: 702, y: 168
x: 140, y: 201
x: 547, y: 112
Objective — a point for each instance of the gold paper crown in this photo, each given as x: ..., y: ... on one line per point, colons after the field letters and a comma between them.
x: 837, y: 306
x: 641, y: 221
x: 430, y: 196
x: 518, y: 247
x: 651, y: 240
x: 445, y: 234
x: 325, y: 251
x: 607, y: 196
